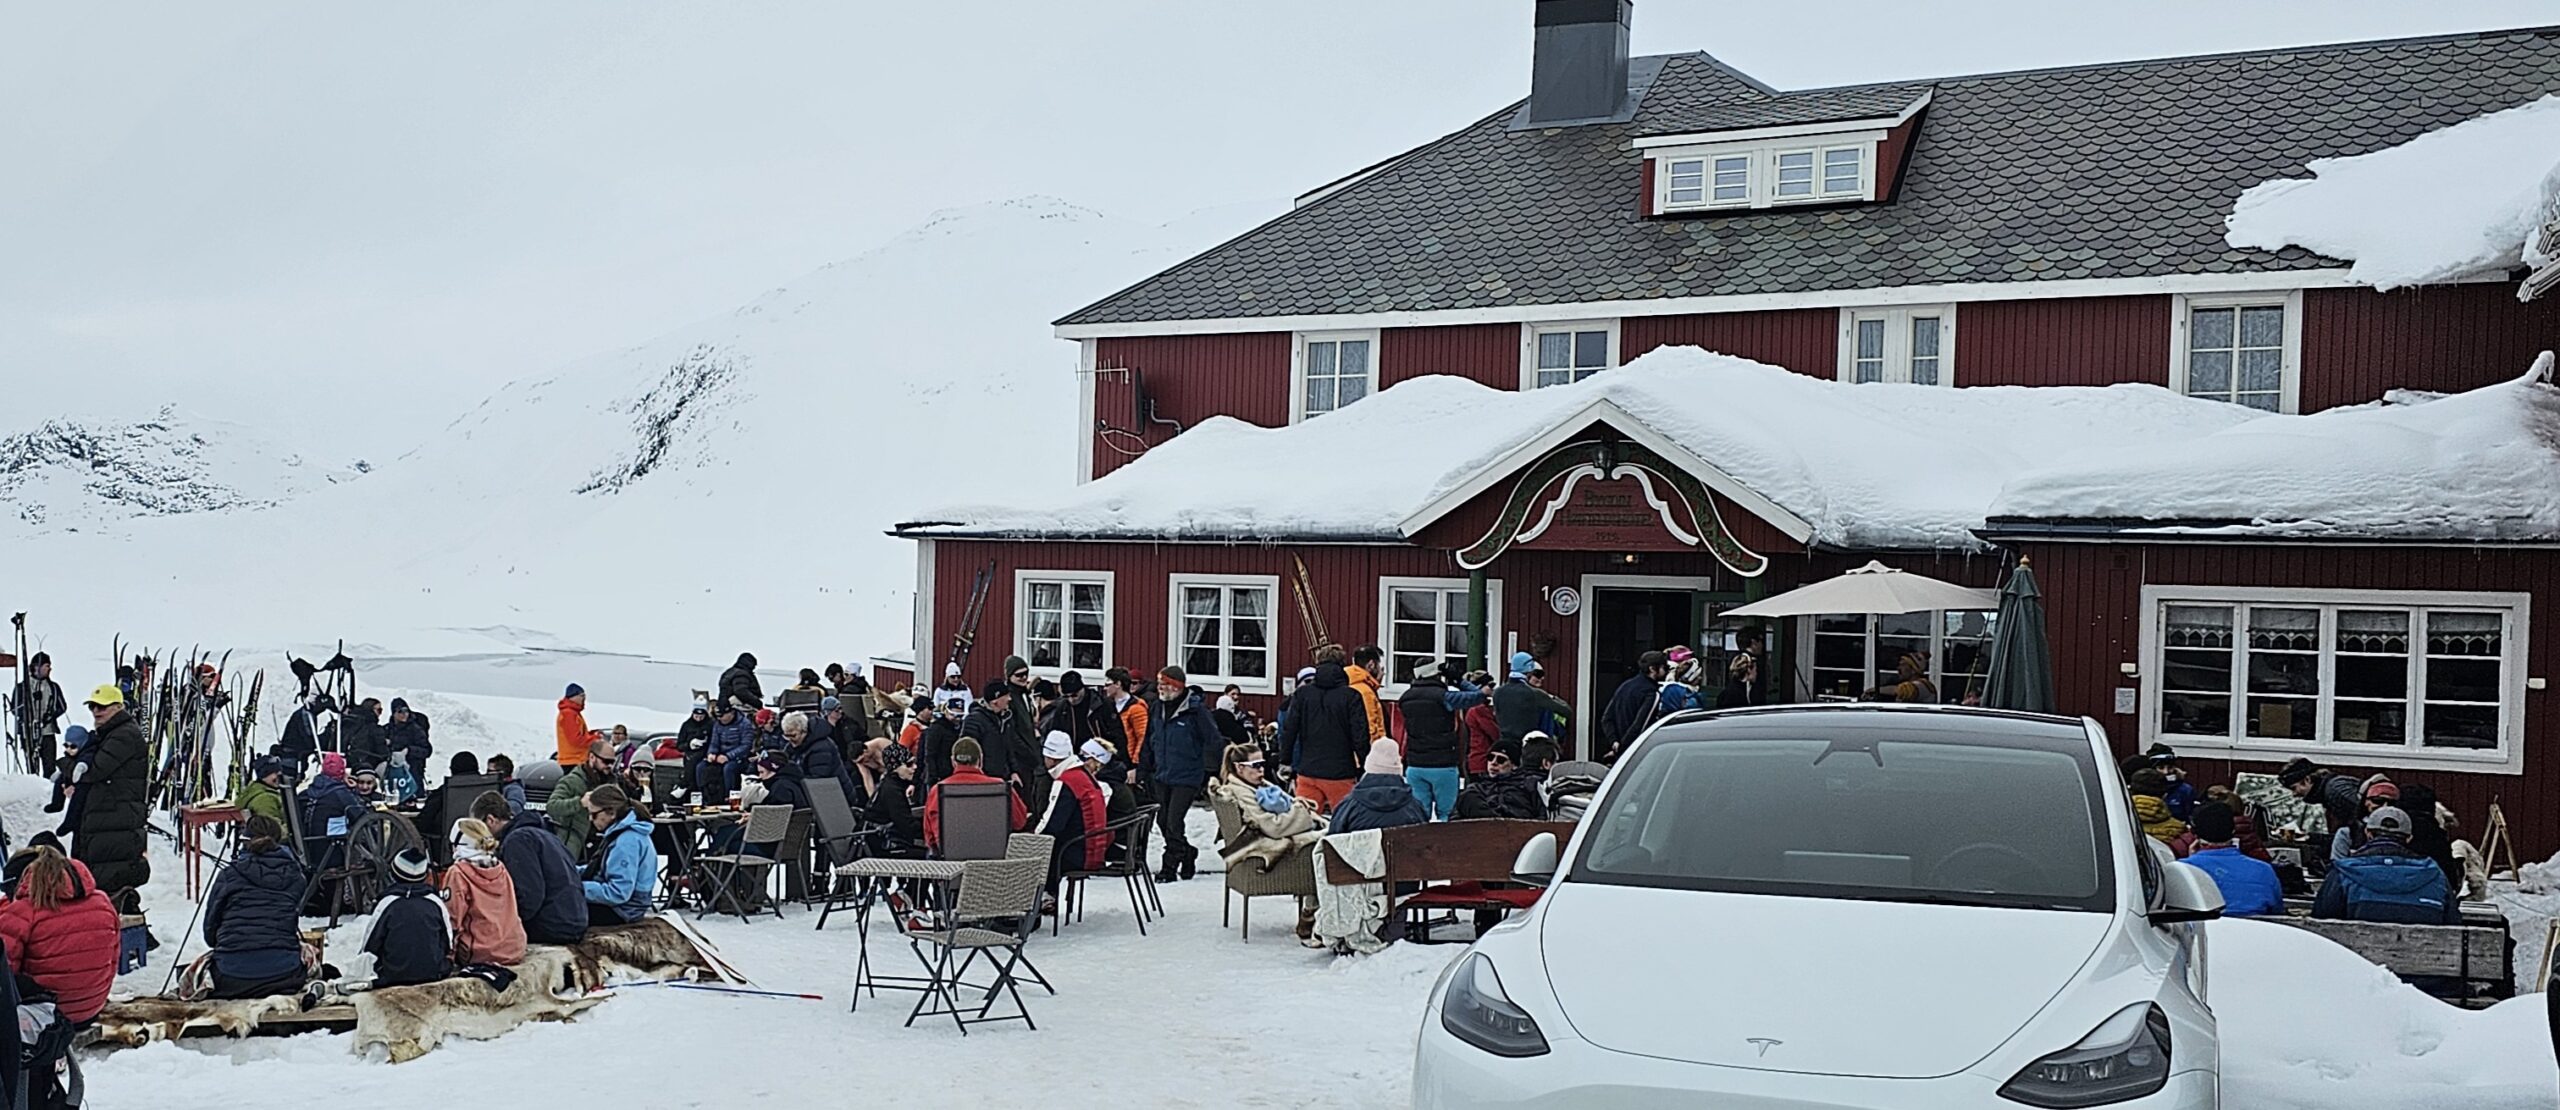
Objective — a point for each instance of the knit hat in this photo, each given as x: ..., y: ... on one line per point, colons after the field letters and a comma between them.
x: 2387, y: 821
x: 829, y: 704
x: 2213, y: 823
x: 333, y: 765
x: 574, y: 690
x: 1058, y: 745
x: 1524, y: 664
x: 951, y: 670
x: 2299, y: 770
x: 764, y: 717
x: 1071, y: 683
x: 410, y: 866
x: 1384, y: 759
x: 967, y: 751
x: 2161, y: 753
x: 1305, y: 673
x: 1014, y: 663
x: 1678, y: 654
x: 895, y: 756
x: 2380, y: 787
x: 40, y: 659
x: 399, y: 704
x: 1227, y: 702
x: 1095, y: 750
x: 2148, y: 782
x: 701, y: 707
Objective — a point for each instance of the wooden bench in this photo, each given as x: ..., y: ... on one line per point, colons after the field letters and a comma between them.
x: 2464, y: 956
x: 1452, y: 861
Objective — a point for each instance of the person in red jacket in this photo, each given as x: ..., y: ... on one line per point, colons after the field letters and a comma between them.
x: 965, y: 758
x: 1478, y: 730
x: 60, y: 931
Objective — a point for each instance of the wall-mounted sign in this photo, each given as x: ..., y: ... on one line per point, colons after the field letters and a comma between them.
x: 1565, y: 600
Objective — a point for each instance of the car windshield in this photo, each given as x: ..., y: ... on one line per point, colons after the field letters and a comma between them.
x: 1869, y: 813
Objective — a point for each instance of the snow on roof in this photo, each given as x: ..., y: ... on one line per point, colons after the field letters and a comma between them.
x: 2482, y: 465
x: 1877, y: 466
x: 2448, y: 204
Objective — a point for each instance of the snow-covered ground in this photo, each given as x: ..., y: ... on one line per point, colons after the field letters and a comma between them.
x: 1191, y: 1016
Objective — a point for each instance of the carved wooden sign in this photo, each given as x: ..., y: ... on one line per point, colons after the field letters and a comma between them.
x: 1609, y: 495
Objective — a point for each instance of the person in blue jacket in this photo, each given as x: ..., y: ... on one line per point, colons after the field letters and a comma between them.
x: 411, y: 940
x: 733, y: 739
x: 251, y: 917
x: 1381, y: 799
x: 549, y: 899
x: 2386, y: 880
x: 1183, y: 745
x: 625, y: 871
x: 2249, y: 885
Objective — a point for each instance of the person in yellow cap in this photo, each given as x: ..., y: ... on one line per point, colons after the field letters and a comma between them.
x: 113, y: 790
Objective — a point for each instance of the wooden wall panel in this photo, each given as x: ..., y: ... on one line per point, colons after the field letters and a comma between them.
x: 2358, y: 344
x: 2077, y: 341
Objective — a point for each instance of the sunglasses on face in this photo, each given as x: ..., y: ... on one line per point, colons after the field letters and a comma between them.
x: 1256, y: 764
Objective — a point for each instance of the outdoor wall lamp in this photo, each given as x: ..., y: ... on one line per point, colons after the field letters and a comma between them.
x: 2131, y: 670
x: 1626, y: 559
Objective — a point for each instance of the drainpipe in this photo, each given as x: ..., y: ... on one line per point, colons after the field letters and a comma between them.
x: 1477, y: 622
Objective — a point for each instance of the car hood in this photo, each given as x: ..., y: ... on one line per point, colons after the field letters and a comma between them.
x: 1836, y: 987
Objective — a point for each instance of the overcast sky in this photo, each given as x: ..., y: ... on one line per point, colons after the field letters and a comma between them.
x: 390, y: 209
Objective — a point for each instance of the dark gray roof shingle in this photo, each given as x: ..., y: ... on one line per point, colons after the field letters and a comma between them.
x: 1731, y: 112
x: 2090, y: 172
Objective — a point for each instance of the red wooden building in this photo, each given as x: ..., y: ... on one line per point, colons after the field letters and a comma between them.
x: 2045, y: 228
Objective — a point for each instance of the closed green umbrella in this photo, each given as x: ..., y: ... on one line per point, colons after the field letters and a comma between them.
x: 2021, y: 659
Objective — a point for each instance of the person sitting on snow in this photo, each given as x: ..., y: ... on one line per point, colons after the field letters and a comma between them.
x: 251, y: 918
x: 549, y: 898
x: 2386, y: 880
x: 410, y: 941
x: 2249, y: 886
x: 618, y: 884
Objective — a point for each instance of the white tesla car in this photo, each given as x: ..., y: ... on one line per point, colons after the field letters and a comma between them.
x: 1841, y: 906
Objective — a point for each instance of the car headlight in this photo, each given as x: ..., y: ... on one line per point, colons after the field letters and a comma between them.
x: 2126, y: 1057
x: 1475, y: 1010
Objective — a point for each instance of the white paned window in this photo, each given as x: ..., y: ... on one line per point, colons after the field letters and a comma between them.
x: 1916, y: 344
x: 1062, y: 620
x: 1857, y: 652
x: 1760, y: 176
x: 1422, y: 621
x: 2374, y: 677
x: 2244, y: 350
x: 1558, y: 354
x: 1332, y: 370
x: 1222, y: 630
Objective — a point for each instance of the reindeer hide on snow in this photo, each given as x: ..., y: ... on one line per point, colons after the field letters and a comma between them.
x: 144, y: 1020
x: 409, y: 1022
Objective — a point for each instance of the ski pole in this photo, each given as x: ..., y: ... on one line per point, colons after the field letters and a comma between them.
x: 729, y: 990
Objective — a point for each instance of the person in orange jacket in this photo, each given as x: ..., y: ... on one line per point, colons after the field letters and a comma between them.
x: 571, y: 728
x: 1367, y: 663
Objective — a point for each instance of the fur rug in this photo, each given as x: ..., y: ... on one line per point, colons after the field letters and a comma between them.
x: 144, y: 1020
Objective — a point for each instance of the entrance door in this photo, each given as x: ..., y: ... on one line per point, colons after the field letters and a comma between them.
x: 1625, y: 624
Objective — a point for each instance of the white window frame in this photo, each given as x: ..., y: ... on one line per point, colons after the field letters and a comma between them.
x: 1387, y: 588
x: 1761, y: 188
x: 1298, y: 367
x: 2184, y: 304
x: 1897, y: 340
x: 1877, y: 665
x: 1022, y: 583
x: 1529, y: 334
x: 2506, y: 759
x: 1270, y: 583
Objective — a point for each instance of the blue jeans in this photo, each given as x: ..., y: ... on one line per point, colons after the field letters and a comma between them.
x: 1435, y: 787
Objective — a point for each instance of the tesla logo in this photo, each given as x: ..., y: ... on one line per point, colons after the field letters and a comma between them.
x: 1765, y: 1043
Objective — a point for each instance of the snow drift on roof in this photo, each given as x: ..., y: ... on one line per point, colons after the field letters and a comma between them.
x: 1866, y: 466
x: 2450, y: 203
x: 2482, y: 465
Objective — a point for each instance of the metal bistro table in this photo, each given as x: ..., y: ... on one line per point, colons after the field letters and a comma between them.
x: 684, y: 830
x: 938, y: 875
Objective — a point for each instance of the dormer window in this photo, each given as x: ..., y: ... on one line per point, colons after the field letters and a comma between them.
x: 1766, y: 175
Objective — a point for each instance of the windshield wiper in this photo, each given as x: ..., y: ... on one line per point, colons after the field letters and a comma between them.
x: 1983, y: 900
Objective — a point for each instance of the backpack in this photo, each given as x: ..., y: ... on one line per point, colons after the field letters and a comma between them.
x: 50, y: 1075
x: 2409, y: 890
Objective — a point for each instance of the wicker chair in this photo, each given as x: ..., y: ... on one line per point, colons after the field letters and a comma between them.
x: 996, y: 909
x: 1293, y: 875
x: 766, y: 827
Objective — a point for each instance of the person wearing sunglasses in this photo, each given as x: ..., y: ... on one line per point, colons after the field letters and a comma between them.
x: 1274, y: 822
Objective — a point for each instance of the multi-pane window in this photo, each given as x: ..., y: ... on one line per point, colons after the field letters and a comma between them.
x: 1914, y: 344
x: 1564, y: 353
x: 1423, y: 621
x: 1065, y: 621
x: 1336, y: 370
x: 1857, y: 652
x: 1222, y: 630
x: 2236, y: 352
x: 2419, y: 675
x: 1759, y: 177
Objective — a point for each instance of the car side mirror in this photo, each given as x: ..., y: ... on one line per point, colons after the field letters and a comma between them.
x: 2186, y: 894
x: 1536, y: 863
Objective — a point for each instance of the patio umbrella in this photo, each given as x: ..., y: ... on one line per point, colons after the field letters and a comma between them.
x: 2021, y: 660
x: 1873, y: 588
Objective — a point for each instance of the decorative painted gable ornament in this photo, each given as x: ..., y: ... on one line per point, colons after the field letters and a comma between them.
x: 1610, y: 495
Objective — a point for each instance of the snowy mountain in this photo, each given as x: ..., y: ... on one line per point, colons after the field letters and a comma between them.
x: 725, y: 486
x: 68, y: 474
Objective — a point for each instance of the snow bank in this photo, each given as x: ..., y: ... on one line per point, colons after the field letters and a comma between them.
x: 1876, y: 465
x: 2481, y: 465
x: 2310, y: 1025
x: 2448, y: 204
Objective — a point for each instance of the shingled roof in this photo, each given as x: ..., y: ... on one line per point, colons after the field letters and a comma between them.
x: 2106, y: 171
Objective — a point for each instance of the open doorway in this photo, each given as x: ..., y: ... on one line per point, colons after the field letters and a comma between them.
x: 1625, y: 624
